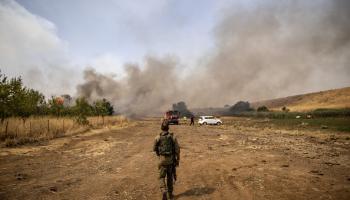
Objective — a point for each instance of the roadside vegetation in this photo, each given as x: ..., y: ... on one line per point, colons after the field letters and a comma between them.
x: 332, y: 119
x: 14, y: 131
x: 319, y: 113
x: 330, y: 123
x: 26, y: 116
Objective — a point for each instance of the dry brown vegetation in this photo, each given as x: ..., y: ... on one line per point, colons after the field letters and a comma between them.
x: 17, y: 131
x: 337, y: 98
x: 244, y: 159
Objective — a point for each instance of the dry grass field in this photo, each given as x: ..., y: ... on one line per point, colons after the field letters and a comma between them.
x: 16, y: 131
x: 244, y: 159
x: 337, y: 98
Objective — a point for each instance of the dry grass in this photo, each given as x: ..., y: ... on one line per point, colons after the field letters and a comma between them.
x: 335, y: 99
x: 16, y: 131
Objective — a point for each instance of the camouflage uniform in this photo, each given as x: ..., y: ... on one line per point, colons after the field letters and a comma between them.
x: 192, y: 121
x: 166, y: 162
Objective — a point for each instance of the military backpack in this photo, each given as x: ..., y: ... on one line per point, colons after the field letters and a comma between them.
x: 166, y: 144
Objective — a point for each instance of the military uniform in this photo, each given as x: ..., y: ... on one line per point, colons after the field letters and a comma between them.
x: 192, y: 121
x: 167, y: 149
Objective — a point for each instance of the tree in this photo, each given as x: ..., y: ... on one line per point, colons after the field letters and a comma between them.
x: 100, y: 108
x: 30, y: 103
x: 20, y: 101
x: 103, y: 108
x: 109, y: 107
x: 17, y: 100
x: 82, y: 109
x: 262, y: 109
x: 240, y: 106
x: 4, y: 97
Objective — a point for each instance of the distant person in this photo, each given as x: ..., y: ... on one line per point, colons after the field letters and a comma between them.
x: 192, y: 121
x: 167, y: 149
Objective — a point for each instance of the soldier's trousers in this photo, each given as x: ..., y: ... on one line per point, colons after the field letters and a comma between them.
x: 166, y: 171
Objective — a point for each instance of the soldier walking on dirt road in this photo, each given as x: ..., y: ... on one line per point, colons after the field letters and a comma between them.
x: 192, y: 121
x: 167, y: 149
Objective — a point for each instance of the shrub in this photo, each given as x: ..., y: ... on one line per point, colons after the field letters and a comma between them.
x: 240, y: 107
x: 285, y: 109
x: 262, y: 109
x: 82, y: 120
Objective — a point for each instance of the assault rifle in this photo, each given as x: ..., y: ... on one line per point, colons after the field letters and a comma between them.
x: 174, y: 168
x: 175, y: 163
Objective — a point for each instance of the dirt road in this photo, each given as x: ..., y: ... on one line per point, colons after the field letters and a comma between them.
x: 238, y: 160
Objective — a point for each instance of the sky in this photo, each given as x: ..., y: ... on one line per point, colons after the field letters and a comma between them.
x: 54, y: 44
x: 108, y: 33
x: 101, y: 34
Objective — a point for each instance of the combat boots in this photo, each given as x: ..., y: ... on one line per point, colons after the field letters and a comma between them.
x: 164, y: 196
x: 169, y: 196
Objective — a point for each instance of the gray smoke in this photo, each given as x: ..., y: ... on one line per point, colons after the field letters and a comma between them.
x: 141, y: 92
x: 271, y: 49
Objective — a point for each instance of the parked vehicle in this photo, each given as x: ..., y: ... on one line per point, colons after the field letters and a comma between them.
x: 172, y: 116
x: 204, y: 120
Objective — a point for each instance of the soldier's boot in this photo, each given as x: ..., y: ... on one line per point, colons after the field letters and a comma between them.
x: 164, y: 196
x: 169, y: 195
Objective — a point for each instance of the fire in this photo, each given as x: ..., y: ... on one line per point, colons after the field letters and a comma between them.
x: 59, y: 100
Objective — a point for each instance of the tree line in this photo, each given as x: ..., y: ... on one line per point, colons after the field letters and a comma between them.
x: 17, y: 100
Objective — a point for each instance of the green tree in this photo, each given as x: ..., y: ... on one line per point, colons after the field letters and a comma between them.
x: 4, y: 97
x: 82, y: 109
x: 100, y: 108
x: 103, y: 108
x: 30, y: 103
x: 108, y: 106
x: 17, y: 100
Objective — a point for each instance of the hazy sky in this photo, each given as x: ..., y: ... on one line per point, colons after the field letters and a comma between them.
x: 72, y: 35
x: 256, y: 44
x: 109, y: 33
x: 127, y: 30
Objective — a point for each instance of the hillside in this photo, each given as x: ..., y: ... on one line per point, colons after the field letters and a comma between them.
x: 337, y: 98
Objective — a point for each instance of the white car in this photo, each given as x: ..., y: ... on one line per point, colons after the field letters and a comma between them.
x: 204, y: 120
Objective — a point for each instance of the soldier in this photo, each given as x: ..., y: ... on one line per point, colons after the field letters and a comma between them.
x: 167, y: 149
x: 192, y: 120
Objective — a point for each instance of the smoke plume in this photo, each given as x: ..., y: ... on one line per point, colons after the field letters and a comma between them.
x: 31, y: 48
x: 141, y: 92
x: 271, y: 49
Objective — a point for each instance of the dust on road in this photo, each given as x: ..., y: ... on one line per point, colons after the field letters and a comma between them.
x: 233, y: 161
